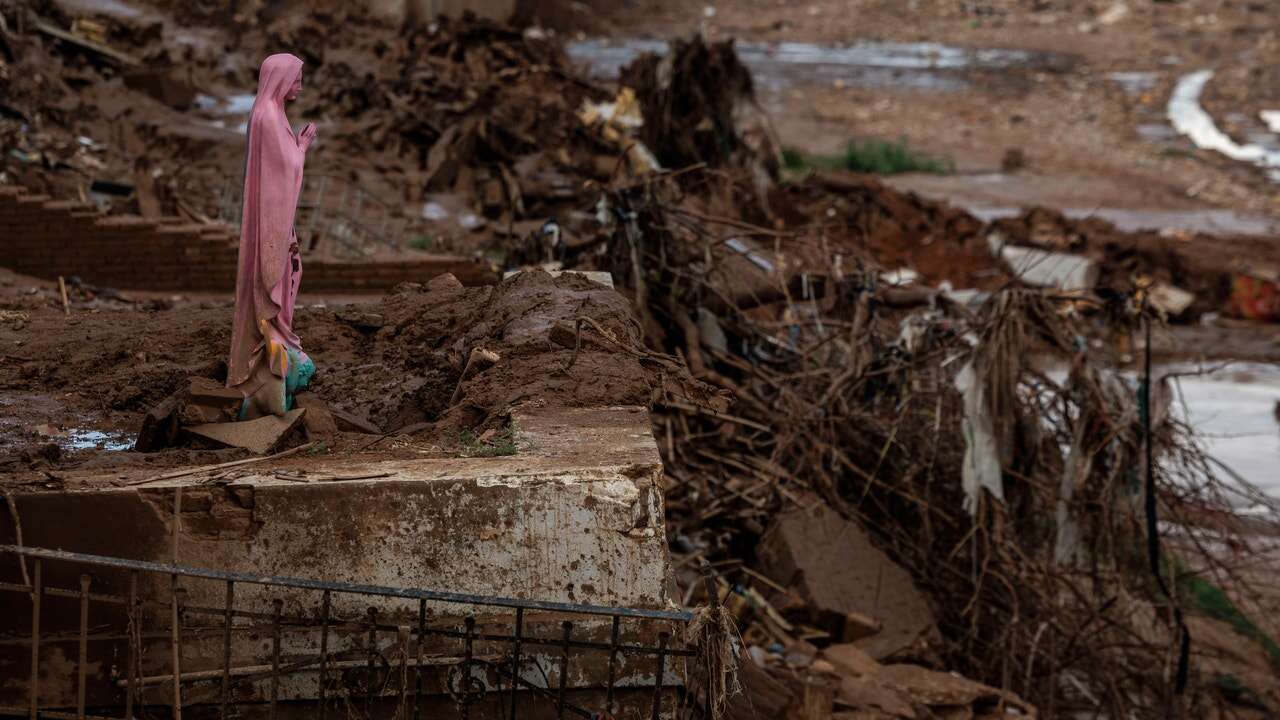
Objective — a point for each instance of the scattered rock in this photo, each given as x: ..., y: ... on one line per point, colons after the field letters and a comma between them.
x: 208, y: 401
x: 361, y: 320
x: 444, y: 283
x: 930, y: 687
x: 319, y: 419
x: 159, y: 426
x: 866, y: 693
x: 849, y: 660
x: 348, y: 422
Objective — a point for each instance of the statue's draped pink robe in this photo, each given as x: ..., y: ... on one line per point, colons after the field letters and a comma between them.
x: 269, y: 270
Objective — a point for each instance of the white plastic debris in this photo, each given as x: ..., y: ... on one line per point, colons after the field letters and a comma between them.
x: 1189, y: 118
x: 899, y: 277
x: 1042, y: 268
x: 981, y: 468
x: 434, y: 211
x: 1171, y: 300
x: 1272, y: 120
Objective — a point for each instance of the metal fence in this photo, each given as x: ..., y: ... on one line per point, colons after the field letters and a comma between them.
x: 334, y: 215
x: 126, y: 638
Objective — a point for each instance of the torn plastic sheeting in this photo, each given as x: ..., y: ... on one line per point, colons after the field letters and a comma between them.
x: 1079, y: 463
x: 981, y: 455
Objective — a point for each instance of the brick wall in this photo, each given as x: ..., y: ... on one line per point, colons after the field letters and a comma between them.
x: 45, y: 238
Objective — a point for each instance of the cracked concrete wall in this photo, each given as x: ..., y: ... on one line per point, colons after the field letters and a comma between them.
x: 576, y: 517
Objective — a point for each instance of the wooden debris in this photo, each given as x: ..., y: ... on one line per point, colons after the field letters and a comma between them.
x: 100, y: 49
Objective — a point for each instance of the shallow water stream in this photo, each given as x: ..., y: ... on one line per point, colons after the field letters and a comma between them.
x: 776, y: 66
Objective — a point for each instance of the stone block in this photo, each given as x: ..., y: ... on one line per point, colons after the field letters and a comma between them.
x: 318, y: 420
x: 208, y: 401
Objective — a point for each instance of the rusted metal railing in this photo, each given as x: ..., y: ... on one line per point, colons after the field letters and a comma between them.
x: 163, y: 638
x: 332, y: 210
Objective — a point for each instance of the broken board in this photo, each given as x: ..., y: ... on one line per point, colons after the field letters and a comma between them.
x: 260, y: 436
x: 834, y: 566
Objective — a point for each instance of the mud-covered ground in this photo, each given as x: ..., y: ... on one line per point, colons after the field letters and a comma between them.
x: 1079, y: 90
x: 83, y: 381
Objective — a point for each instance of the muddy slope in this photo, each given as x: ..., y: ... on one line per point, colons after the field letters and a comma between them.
x: 396, y: 362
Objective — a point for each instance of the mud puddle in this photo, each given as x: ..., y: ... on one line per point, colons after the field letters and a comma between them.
x: 995, y: 195
x: 115, y: 9
x: 1235, y: 411
x: 82, y: 439
x: 227, y: 113
x: 1211, y: 221
x: 775, y: 66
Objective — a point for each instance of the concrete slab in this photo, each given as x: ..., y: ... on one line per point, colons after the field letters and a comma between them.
x: 260, y: 436
x: 832, y: 563
x: 575, y: 516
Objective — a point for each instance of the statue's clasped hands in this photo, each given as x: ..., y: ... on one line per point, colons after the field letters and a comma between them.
x: 307, y: 136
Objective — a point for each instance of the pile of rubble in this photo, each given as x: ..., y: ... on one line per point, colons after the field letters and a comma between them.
x: 479, y: 133
x: 975, y: 444
x: 821, y: 581
x: 459, y: 107
x: 920, y: 418
x: 902, y: 440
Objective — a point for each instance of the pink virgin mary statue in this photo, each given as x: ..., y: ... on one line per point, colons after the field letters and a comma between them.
x: 267, y: 363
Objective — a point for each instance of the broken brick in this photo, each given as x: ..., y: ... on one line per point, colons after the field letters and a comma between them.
x: 208, y: 401
x: 159, y: 426
x: 318, y: 420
